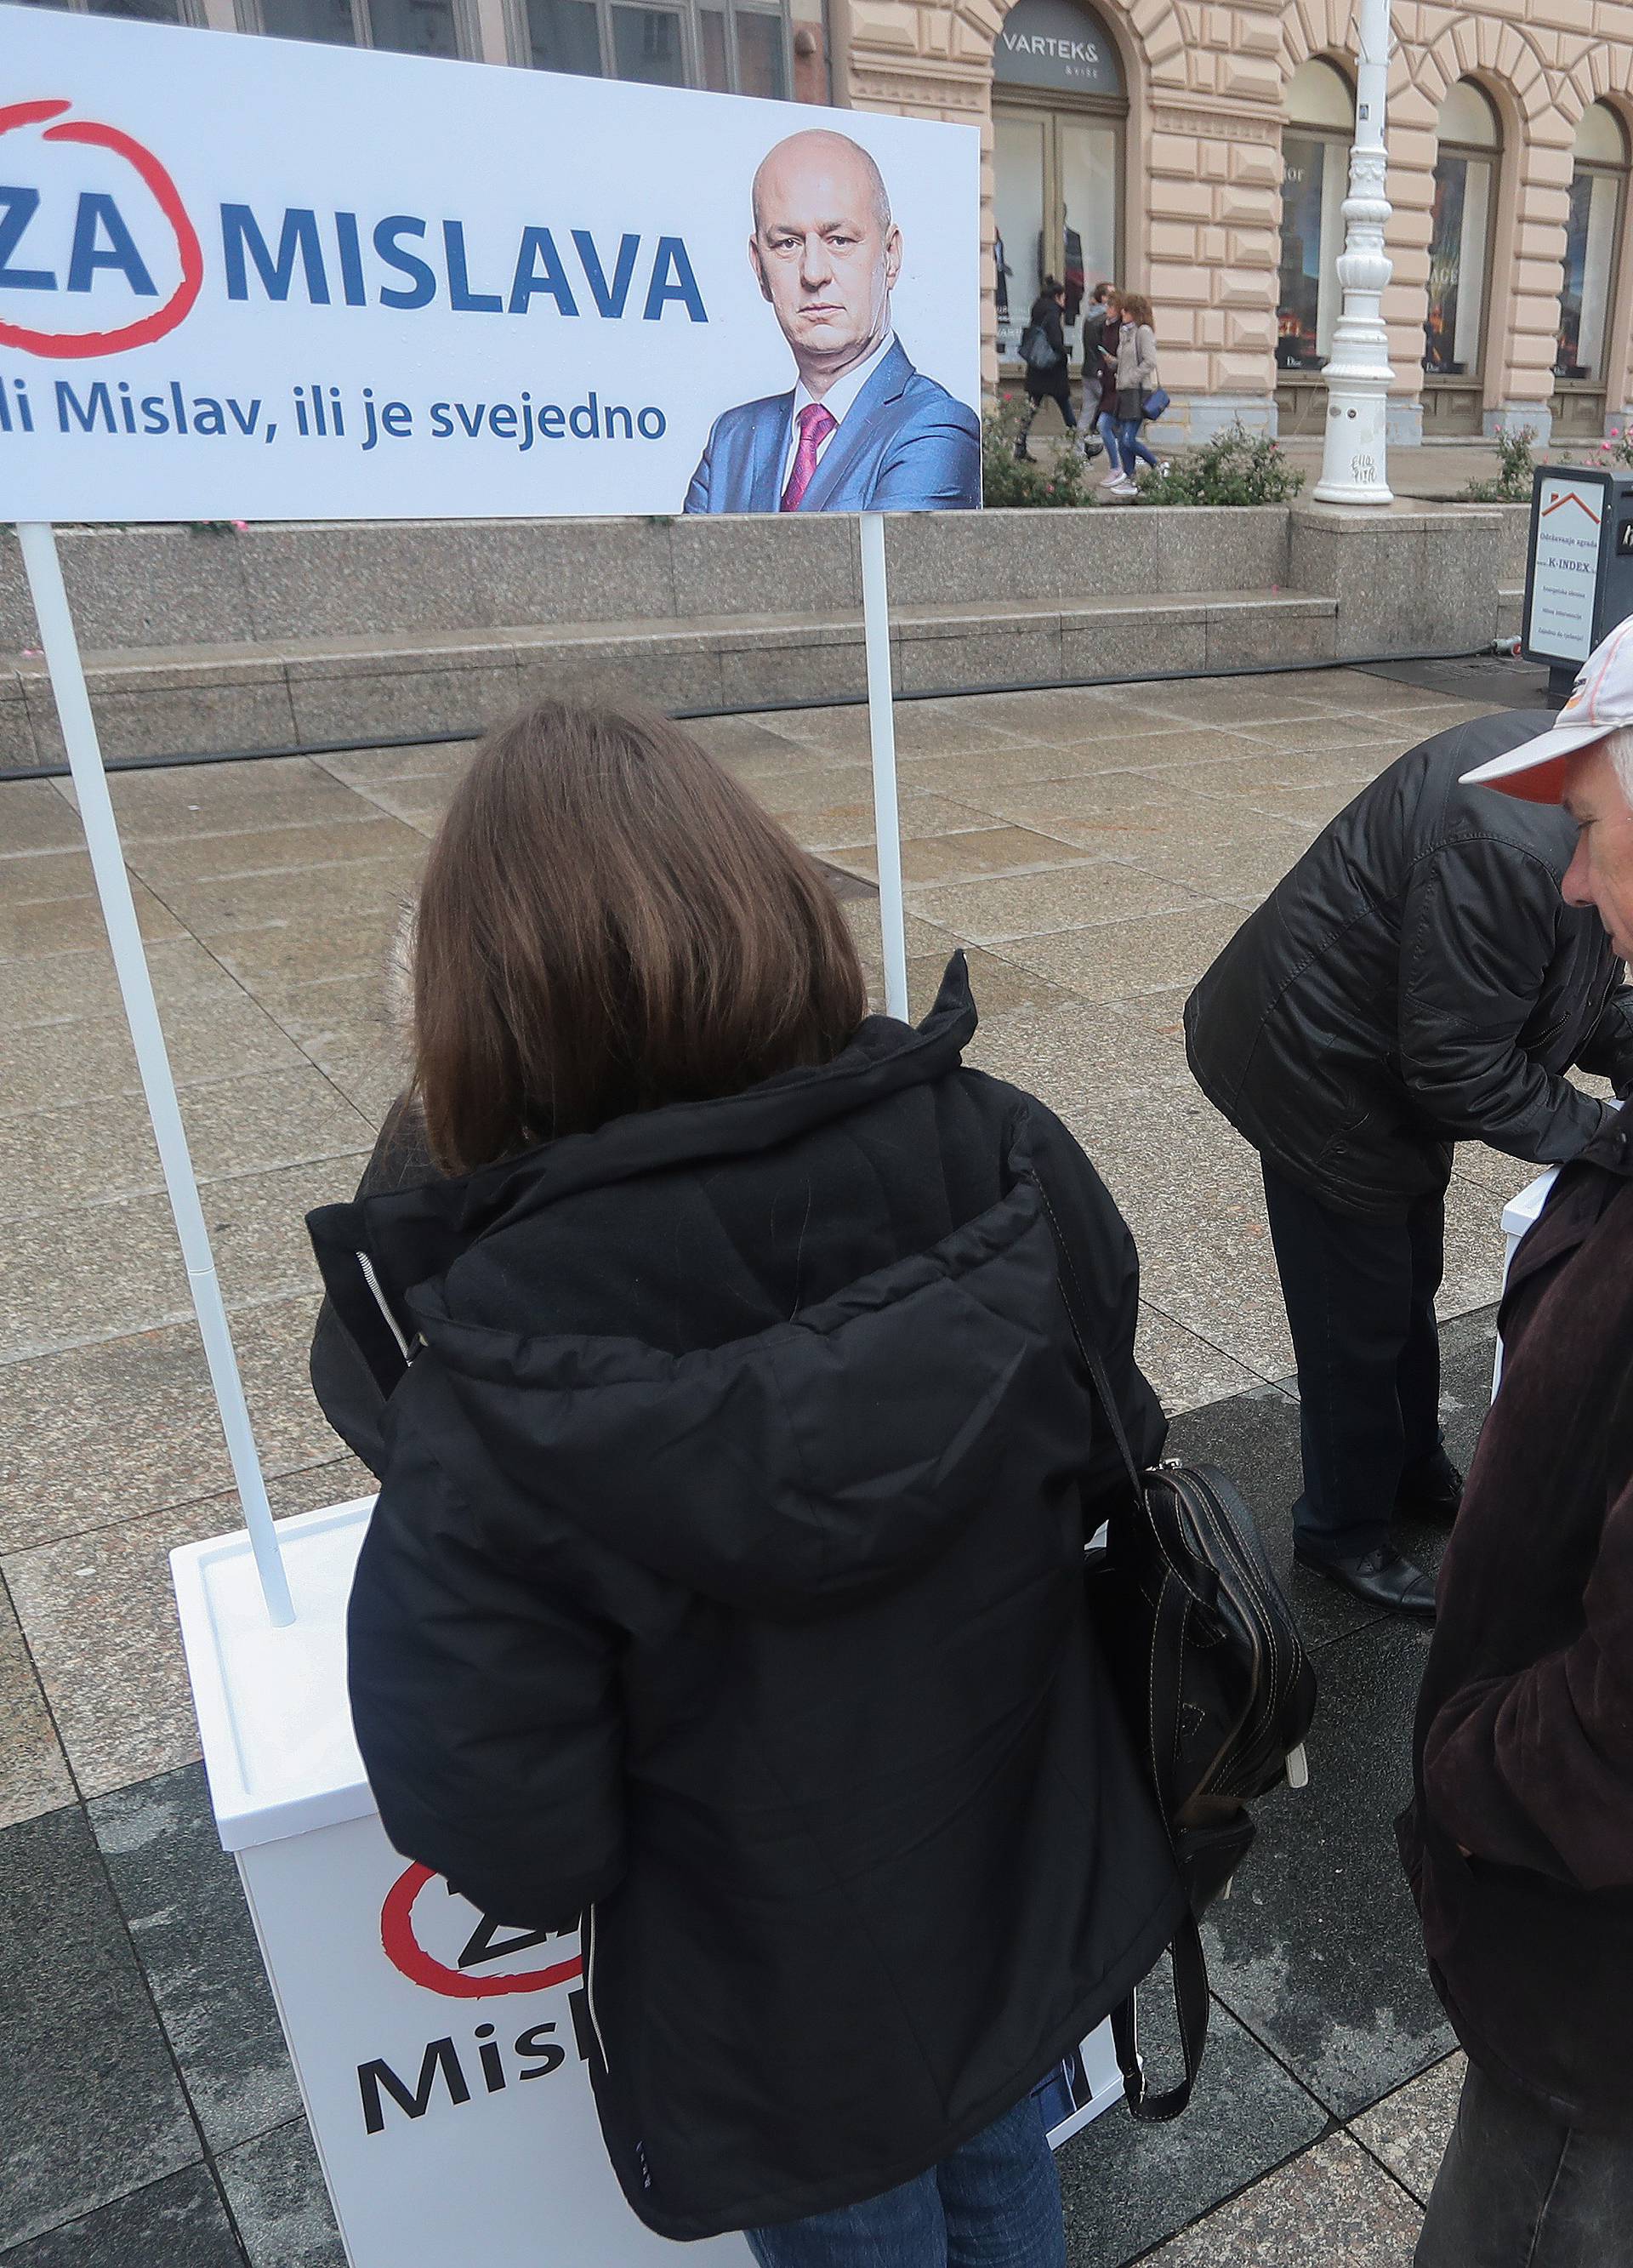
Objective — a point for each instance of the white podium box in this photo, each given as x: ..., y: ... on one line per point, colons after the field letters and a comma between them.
x: 437, y: 2052
x: 440, y: 2053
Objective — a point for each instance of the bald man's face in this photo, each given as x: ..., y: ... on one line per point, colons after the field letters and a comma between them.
x: 824, y: 254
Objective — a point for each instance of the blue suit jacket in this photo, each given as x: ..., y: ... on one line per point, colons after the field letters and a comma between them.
x: 905, y: 444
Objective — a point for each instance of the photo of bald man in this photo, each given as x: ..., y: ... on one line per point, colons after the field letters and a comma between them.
x: 861, y: 430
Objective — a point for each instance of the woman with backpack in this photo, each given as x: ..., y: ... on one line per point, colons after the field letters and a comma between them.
x: 724, y: 1595
x: 1043, y: 351
x: 1134, y: 347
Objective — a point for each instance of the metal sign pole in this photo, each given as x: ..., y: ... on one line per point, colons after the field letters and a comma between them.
x: 44, y: 570
x: 882, y: 726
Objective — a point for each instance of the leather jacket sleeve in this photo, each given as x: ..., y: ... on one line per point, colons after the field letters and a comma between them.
x: 1476, y: 940
x: 1608, y: 1050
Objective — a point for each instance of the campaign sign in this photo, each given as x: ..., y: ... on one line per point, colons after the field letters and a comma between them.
x: 258, y: 278
x: 442, y: 2061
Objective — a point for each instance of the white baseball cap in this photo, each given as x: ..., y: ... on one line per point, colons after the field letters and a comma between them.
x: 1601, y: 702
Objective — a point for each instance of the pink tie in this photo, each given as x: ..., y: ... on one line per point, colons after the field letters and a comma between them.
x: 816, y: 424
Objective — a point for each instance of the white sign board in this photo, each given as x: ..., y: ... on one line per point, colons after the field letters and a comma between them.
x: 253, y: 278
x: 1564, y: 567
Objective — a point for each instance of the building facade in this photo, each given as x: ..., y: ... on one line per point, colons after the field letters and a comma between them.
x: 1197, y: 153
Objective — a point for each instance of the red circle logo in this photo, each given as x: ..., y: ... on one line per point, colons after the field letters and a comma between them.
x: 73, y: 344
x: 406, y: 1954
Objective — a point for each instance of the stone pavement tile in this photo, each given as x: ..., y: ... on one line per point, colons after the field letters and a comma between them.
x: 34, y: 817
x: 370, y: 1080
x: 1309, y: 808
x: 1139, y: 954
x: 32, y: 878
x: 100, y: 1616
x: 841, y: 825
x: 93, y: 2104
x: 281, y: 2208
x: 64, y: 987
x: 33, y: 1775
x: 341, y: 944
x: 1265, y: 774
x: 1081, y: 1059
x: 308, y: 898
x: 46, y: 1066
x: 1410, y: 2129
x: 1068, y: 712
x: 1318, y: 1953
x: 1366, y: 734
x: 732, y: 740
x: 925, y: 940
x: 924, y: 728
x: 103, y: 1434
x: 371, y: 768
x: 1233, y: 861
x: 1475, y: 1247
x: 175, y: 2223
x: 1478, y: 1166
x: 1184, y: 1371
x: 103, y: 1271
x: 335, y: 1015
x: 182, y: 799
x: 182, y: 1898
x: 1124, y: 809
x: 1332, y: 2205
x: 1125, y: 2186
x: 58, y: 925
x: 1364, y: 688
x: 93, y: 1151
x: 1073, y: 898
x: 1235, y: 701
x: 418, y: 802
x: 273, y: 849
x: 972, y: 852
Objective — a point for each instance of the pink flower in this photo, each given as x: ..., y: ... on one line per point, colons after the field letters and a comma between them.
x: 1604, y: 444
x: 241, y: 526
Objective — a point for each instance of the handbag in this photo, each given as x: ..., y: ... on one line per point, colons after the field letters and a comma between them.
x: 1157, y: 400
x: 1035, y: 350
x: 1212, y: 1679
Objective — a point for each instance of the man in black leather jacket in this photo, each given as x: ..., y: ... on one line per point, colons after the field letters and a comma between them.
x: 1416, y: 981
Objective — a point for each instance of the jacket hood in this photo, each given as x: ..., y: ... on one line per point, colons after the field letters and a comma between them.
x: 806, y: 1462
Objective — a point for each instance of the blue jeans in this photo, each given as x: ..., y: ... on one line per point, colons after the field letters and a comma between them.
x: 995, y: 2203
x: 1131, y: 447
x: 1107, y: 425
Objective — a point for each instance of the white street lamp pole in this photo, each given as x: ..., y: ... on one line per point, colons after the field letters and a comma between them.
x: 1357, y: 372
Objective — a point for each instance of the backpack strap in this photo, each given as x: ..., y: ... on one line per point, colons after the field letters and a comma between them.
x: 1185, y: 1951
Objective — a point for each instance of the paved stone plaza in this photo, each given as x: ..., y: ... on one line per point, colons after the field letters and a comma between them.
x: 1092, y: 851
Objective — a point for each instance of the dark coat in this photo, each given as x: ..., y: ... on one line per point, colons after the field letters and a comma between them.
x: 726, y: 1587
x: 1416, y: 981
x: 1049, y: 385
x: 1524, y: 1725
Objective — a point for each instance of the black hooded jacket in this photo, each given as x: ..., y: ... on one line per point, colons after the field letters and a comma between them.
x: 725, y: 1587
x: 1414, y: 982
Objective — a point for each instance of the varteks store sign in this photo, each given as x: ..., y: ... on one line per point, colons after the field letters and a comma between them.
x: 1051, y: 43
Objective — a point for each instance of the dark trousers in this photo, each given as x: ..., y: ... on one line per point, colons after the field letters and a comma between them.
x: 1519, y: 2188
x: 1360, y: 1298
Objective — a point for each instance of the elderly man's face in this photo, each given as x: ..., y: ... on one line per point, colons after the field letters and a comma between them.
x: 822, y: 252
x: 1600, y: 874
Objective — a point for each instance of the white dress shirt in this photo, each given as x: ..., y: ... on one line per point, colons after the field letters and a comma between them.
x: 839, y: 399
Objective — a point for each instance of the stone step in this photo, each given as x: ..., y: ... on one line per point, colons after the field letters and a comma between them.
x: 306, y: 692
x: 1510, y: 609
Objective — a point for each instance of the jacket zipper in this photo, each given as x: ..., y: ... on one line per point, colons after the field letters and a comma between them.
x: 589, y: 1987
x: 393, y: 1325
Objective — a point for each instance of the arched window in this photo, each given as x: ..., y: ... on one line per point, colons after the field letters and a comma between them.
x: 1459, y: 259
x: 1593, y: 245
x: 1315, y: 163
x: 1058, y: 111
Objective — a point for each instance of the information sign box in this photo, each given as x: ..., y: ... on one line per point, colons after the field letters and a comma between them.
x: 1579, y: 563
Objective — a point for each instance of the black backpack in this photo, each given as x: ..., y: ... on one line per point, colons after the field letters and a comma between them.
x: 1213, y: 1681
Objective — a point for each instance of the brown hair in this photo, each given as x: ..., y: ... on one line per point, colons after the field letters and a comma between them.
x: 609, y: 922
x: 1135, y: 306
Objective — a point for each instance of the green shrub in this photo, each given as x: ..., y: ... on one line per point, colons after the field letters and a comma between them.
x: 1056, y: 477
x: 1516, y: 462
x: 1235, y: 467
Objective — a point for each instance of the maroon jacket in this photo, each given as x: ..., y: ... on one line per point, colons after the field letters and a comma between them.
x: 1520, y: 1843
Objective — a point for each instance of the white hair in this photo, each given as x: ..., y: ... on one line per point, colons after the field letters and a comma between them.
x: 1619, y: 748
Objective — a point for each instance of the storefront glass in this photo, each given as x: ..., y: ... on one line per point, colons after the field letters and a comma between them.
x: 1460, y: 245
x: 1315, y: 167
x: 1057, y: 162
x: 1598, y: 190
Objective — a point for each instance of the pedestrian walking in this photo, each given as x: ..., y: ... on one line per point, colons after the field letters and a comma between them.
x: 1414, y: 982
x: 1049, y: 371
x: 1519, y: 1840
x: 1105, y: 377
x: 724, y: 1595
x: 1137, y: 377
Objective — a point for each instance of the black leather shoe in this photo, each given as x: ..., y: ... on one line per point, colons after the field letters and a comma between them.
x: 1435, y: 1496
x: 1380, y: 1577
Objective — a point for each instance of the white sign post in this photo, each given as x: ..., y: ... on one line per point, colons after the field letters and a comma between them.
x: 251, y: 278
